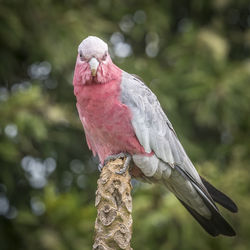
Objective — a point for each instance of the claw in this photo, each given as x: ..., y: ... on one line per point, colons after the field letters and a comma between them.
x: 114, y: 157
x: 100, y: 167
x: 125, y: 165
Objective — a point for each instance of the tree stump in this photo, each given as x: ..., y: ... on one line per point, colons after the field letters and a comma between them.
x: 113, y: 225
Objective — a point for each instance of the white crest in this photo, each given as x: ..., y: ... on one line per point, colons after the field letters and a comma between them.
x: 93, y: 46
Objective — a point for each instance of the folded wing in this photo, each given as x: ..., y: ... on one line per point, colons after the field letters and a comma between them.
x: 156, y: 134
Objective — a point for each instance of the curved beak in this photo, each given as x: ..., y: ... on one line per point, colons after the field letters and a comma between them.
x: 93, y: 64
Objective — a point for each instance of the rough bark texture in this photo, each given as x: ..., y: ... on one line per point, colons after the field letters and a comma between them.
x: 113, y: 225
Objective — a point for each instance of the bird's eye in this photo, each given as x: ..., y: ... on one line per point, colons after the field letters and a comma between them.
x: 104, y: 57
x: 82, y: 57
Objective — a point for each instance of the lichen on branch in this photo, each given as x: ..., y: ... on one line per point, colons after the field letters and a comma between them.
x: 113, y: 225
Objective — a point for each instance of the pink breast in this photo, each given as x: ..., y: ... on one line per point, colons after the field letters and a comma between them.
x: 106, y: 121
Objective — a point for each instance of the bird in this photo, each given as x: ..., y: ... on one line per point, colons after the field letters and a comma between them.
x: 122, y: 118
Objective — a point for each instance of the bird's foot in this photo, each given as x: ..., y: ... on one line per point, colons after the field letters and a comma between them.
x: 125, y: 165
x: 114, y: 157
x: 117, y: 156
x: 100, y: 167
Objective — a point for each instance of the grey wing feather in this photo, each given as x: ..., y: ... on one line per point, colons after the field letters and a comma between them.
x: 152, y: 127
x: 155, y: 133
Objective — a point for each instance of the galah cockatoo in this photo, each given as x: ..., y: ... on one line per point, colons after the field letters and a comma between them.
x: 122, y: 117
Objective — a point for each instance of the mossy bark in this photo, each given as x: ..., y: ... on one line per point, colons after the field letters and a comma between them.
x: 113, y: 225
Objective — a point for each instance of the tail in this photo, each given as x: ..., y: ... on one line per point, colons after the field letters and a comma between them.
x: 219, y: 197
x: 215, y: 224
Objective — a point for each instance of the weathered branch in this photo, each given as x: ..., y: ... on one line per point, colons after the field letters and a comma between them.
x: 113, y: 225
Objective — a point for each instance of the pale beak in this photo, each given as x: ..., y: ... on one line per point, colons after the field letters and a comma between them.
x: 93, y: 64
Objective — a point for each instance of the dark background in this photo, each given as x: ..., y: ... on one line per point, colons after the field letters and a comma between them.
x: 193, y: 54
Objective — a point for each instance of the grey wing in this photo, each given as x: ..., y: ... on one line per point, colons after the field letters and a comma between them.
x: 152, y: 127
x: 155, y: 133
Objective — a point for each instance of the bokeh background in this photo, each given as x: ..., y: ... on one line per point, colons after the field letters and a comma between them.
x: 193, y: 54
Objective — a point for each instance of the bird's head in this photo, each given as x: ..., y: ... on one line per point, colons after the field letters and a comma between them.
x: 93, y: 63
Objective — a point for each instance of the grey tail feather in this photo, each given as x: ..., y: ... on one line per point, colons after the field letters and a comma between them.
x: 219, y: 197
x: 216, y: 224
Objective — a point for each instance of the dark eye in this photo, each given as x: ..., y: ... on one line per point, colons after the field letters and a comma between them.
x: 82, y: 56
x: 104, y: 57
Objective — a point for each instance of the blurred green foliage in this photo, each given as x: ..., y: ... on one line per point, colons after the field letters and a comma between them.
x: 193, y: 54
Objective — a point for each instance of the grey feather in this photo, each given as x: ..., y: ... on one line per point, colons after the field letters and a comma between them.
x: 151, y: 125
x: 170, y: 163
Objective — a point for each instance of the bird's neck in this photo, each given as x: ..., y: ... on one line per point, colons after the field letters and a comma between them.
x: 98, y: 93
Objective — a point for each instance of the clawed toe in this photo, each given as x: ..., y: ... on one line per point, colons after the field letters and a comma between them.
x: 125, y: 165
x: 100, y: 167
x: 114, y: 157
x: 117, y: 156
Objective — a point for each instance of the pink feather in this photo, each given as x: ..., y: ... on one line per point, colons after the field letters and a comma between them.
x: 106, y: 121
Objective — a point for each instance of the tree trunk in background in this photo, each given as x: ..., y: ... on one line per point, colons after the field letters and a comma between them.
x: 113, y: 225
